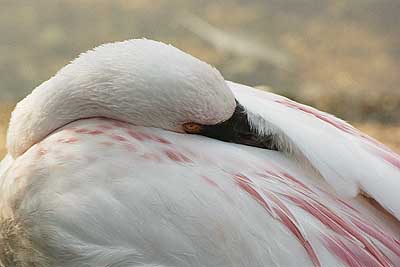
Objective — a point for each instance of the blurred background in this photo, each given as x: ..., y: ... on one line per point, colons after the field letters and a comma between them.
x: 339, y: 56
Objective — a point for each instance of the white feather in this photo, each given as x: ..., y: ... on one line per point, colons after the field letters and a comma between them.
x: 349, y: 162
x: 101, y: 192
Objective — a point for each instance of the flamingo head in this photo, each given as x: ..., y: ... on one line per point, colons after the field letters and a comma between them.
x: 139, y: 81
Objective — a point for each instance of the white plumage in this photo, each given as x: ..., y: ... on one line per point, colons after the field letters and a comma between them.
x: 101, y: 173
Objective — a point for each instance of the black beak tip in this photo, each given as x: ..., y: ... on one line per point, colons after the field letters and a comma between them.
x: 237, y: 130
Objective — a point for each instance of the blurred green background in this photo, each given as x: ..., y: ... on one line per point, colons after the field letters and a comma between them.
x: 339, y: 56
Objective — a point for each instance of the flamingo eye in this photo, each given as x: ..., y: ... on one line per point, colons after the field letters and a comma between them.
x: 192, y: 127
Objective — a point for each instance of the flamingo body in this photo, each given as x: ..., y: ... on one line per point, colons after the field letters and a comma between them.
x: 106, y: 192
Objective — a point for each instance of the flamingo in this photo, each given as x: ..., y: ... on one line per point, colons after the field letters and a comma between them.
x: 138, y: 154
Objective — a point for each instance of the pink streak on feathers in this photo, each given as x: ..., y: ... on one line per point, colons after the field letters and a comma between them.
x: 374, y: 146
x: 354, y: 237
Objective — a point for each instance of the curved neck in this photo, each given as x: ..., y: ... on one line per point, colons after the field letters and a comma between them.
x: 60, y: 101
x: 142, y: 82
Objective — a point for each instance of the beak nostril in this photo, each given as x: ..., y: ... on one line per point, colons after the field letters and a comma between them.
x: 192, y: 127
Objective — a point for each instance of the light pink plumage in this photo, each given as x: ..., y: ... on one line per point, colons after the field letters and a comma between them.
x: 114, y: 192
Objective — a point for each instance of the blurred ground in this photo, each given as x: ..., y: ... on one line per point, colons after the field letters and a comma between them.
x: 390, y: 135
x: 339, y: 56
x: 5, y: 111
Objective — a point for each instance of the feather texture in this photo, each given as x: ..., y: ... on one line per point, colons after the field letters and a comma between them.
x: 79, y: 190
x: 106, y: 193
x: 350, y: 161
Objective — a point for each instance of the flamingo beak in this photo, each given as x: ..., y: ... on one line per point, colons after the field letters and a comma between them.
x: 237, y: 129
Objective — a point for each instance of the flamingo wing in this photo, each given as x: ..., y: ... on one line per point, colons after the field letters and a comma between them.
x: 349, y: 160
